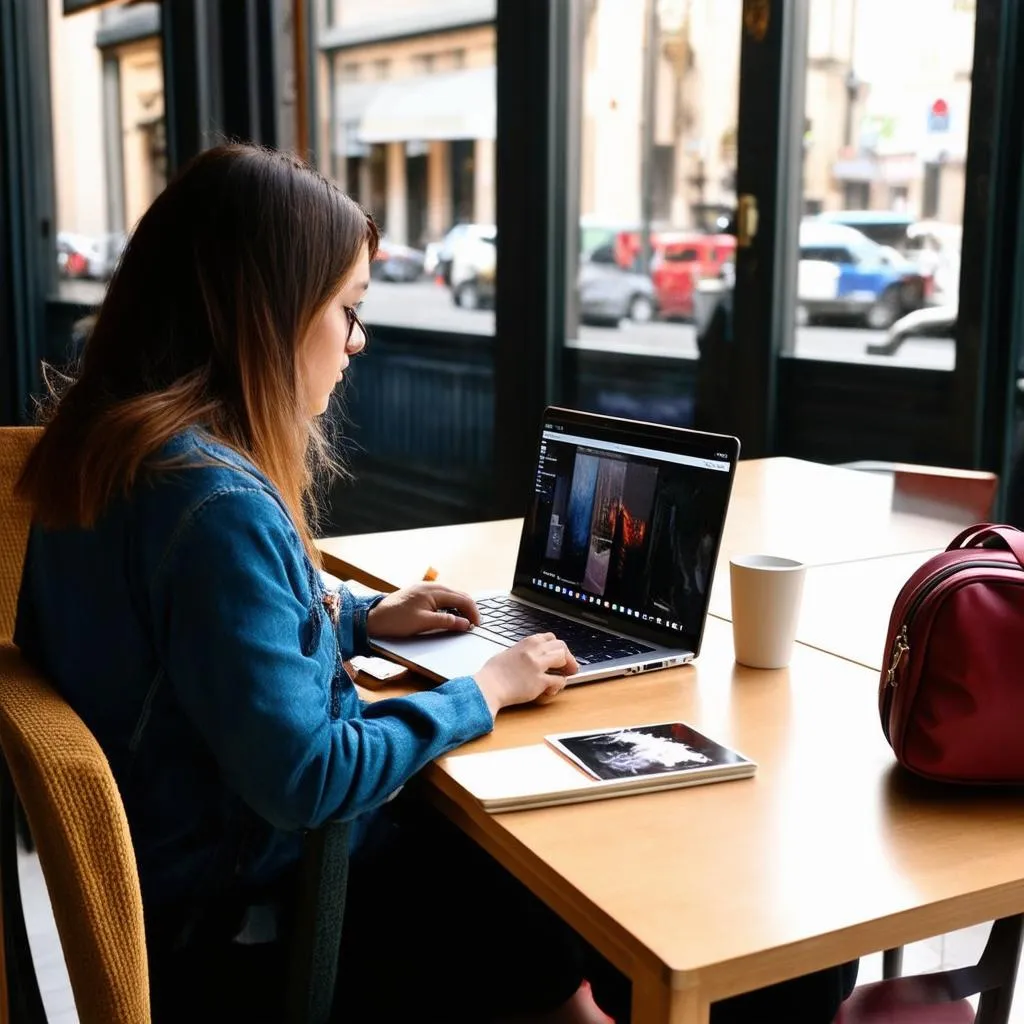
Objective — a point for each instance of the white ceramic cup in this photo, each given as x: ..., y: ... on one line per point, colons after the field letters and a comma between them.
x: 766, y: 593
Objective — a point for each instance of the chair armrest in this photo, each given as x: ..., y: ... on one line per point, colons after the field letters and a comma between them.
x: 316, y: 936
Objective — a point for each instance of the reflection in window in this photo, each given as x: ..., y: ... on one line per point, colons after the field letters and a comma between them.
x: 413, y: 141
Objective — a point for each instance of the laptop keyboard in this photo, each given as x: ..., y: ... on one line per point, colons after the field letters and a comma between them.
x: 514, y: 621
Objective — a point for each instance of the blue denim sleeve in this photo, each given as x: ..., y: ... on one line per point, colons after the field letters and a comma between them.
x: 351, y: 627
x: 250, y: 654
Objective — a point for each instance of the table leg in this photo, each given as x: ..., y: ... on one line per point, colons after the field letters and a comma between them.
x: 656, y: 1002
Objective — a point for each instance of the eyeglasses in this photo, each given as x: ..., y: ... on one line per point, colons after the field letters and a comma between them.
x: 354, y: 343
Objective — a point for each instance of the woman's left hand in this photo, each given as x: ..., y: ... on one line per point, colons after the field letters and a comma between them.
x: 421, y: 608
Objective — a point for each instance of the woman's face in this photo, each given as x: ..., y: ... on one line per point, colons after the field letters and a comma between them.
x: 327, y: 348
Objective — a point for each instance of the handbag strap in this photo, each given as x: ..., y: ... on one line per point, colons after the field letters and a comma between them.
x: 984, y: 533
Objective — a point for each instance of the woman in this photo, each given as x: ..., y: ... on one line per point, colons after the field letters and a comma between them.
x: 171, y: 592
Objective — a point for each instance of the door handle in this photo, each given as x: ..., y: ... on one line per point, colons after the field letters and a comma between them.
x: 746, y: 220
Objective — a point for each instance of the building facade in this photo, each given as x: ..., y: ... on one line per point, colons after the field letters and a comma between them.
x: 406, y: 109
x: 407, y: 104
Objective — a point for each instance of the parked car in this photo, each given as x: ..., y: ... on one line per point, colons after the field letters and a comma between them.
x: 932, y: 245
x: 471, y: 269
x: 72, y: 260
x: 844, y: 275
x: 82, y: 256
x: 437, y: 259
x: 608, y: 294
x: 681, y: 259
x: 935, y: 248
x: 395, y: 262
x: 886, y: 227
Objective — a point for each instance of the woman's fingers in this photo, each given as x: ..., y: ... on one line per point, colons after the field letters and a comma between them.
x: 461, y: 603
x: 450, y: 621
x: 571, y: 666
x: 556, y: 656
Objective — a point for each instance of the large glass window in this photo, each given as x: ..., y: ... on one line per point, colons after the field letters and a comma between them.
x: 108, y: 136
x: 410, y: 135
x: 885, y: 142
x: 657, y: 124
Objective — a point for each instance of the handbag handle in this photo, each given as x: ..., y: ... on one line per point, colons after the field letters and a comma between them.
x: 976, y: 536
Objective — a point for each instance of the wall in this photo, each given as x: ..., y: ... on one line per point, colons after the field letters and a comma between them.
x: 77, y: 102
x: 142, y: 103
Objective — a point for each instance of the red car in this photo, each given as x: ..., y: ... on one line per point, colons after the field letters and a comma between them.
x: 679, y: 260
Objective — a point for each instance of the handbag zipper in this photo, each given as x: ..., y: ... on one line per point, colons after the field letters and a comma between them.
x: 901, y: 645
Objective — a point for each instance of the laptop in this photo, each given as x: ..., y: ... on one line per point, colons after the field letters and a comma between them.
x: 617, y: 553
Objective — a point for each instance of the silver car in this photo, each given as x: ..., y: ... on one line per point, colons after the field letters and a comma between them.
x: 609, y: 294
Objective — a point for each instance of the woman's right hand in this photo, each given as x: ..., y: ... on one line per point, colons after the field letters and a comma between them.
x: 534, y: 667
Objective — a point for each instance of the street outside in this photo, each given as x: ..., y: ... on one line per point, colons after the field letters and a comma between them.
x: 428, y: 305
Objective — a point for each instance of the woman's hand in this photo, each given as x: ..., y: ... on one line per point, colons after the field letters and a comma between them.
x: 534, y: 669
x: 421, y: 608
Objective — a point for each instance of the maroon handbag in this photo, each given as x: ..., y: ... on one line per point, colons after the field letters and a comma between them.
x: 951, y: 694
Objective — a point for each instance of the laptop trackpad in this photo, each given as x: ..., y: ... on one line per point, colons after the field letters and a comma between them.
x: 445, y: 656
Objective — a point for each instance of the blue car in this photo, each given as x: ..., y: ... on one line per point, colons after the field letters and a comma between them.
x: 844, y: 275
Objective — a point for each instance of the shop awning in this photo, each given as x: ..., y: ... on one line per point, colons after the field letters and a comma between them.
x: 451, y: 105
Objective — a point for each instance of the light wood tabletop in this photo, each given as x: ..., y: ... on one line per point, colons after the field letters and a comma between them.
x: 827, y: 854
x: 817, y: 514
x: 845, y: 607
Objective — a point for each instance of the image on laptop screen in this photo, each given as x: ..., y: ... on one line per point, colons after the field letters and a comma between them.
x: 626, y: 525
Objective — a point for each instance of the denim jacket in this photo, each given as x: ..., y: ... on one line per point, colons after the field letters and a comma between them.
x: 189, y: 630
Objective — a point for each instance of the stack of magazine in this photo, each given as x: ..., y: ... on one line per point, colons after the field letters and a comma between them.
x: 594, y: 764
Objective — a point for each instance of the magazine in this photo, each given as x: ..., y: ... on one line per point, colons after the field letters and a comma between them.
x: 638, y: 751
x: 595, y: 764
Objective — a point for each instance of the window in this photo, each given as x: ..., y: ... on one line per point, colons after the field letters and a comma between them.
x: 414, y: 143
x: 658, y: 138
x: 888, y: 94
x: 899, y: 196
x: 856, y: 195
x: 822, y: 254
x: 681, y: 255
x: 350, y: 71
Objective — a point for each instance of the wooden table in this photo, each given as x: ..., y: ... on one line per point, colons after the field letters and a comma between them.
x: 846, y: 606
x: 818, y: 514
x: 826, y: 854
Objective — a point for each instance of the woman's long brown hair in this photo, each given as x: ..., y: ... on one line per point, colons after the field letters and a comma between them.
x: 215, y: 291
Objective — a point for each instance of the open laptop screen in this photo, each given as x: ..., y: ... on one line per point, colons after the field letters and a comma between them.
x: 625, y: 523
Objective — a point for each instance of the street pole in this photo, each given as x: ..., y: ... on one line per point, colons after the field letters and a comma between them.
x: 647, y: 133
x: 851, y: 83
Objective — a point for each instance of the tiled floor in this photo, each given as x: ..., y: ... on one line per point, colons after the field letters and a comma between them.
x: 953, y: 950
